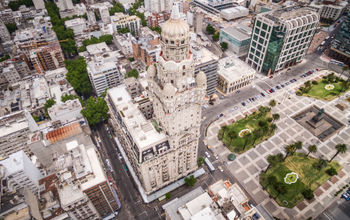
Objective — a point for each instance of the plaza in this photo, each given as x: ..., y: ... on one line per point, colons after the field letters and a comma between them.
x: 248, y: 166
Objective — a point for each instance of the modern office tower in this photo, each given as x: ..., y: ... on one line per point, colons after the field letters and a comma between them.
x: 39, y: 4
x: 4, y: 33
x: 163, y: 149
x: 14, y: 131
x: 329, y: 10
x: 20, y: 172
x: 281, y: 38
x: 340, y: 47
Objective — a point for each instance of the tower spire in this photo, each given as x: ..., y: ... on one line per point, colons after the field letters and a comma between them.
x: 175, y: 14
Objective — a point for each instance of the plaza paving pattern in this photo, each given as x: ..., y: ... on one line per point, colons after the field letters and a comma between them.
x: 248, y: 166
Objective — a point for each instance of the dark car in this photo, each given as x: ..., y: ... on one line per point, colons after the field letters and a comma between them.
x: 278, y: 87
x: 262, y: 94
x: 282, y: 85
x: 243, y: 103
x: 272, y: 90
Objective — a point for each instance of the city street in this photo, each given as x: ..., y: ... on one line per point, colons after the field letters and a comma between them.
x: 340, y: 210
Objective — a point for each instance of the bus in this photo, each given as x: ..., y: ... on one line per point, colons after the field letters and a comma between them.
x: 337, y: 62
x: 209, y: 164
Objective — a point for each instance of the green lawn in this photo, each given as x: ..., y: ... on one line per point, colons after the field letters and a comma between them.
x: 309, y: 177
x: 239, y: 144
x: 319, y: 92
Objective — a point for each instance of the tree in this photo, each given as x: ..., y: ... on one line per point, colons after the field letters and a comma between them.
x: 271, y: 181
x: 190, y: 181
x: 157, y: 29
x: 273, y: 127
x: 262, y: 123
x: 281, y: 189
x: 5, y: 57
x: 167, y: 195
x: 124, y: 30
x: 331, y: 171
x: 133, y: 73
x: 272, y: 160
x: 298, y: 146
x: 200, y: 161
x: 312, y: 149
x: 78, y: 76
x: 272, y: 103
x: 11, y: 27
x: 95, y: 111
x: 210, y: 29
x: 117, y: 7
x: 246, y: 140
x: 320, y: 164
x: 276, y: 116
x: 216, y: 36
x: 49, y: 103
x: 256, y: 134
x: 341, y: 148
x: 308, y: 194
x: 67, y: 97
x: 224, y: 46
x: 269, y: 119
x: 314, y: 82
x: 289, y: 149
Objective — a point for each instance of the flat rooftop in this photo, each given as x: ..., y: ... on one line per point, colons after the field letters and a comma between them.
x: 203, y: 55
x: 142, y: 130
x: 232, y: 69
x: 239, y: 32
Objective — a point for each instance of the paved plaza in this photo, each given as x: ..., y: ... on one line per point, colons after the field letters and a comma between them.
x: 247, y: 166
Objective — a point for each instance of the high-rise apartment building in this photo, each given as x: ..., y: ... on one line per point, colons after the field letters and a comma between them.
x: 329, y: 10
x: 281, y: 38
x: 163, y: 149
x: 10, y: 73
x: 340, y: 47
x: 121, y: 20
x: 158, y: 5
x: 39, y: 4
x: 64, y: 4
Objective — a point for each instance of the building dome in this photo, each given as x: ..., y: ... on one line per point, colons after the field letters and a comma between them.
x: 151, y: 72
x: 169, y: 90
x: 175, y: 27
x: 201, y: 79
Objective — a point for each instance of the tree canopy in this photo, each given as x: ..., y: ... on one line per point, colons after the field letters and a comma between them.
x: 210, y: 29
x: 49, y: 103
x: 117, y: 7
x: 14, y: 5
x: 5, y: 57
x: 95, y: 111
x: 11, y: 27
x: 78, y: 76
x: 104, y: 38
x: 67, y: 97
x: 224, y: 46
x: 190, y: 181
x: 133, y: 73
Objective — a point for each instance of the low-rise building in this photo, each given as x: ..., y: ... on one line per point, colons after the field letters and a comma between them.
x: 14, y: 131
x: 237, y: 38
x: 121, y: 20
x: 10, y: 73
x: 65, y: 112
x: 329, y: 10
x: 123, y: 43
x: 78, y: 25
x: 233, y: 75
x: 4, y: 33
x: 146, y: 47
x: 234, y: 13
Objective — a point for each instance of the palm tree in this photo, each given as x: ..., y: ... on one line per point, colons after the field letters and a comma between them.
x: 256, y: 134
x: 272, y: 103
x: 289, y: 150
x: 276, y: 116
x: 246, y: 139
x: 272, y: 128
x: 272, y: 160
x: 298, y: 145
x: 312, y: 149
x: 341, y: 148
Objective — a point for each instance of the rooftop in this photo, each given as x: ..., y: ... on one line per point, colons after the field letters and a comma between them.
x: 142, y: 130
x: 290, y: 13
x: 202, y: 55
x: 232, y: 68
x: 63, y: 132
x: 74, y: 22
x: 239, y: 32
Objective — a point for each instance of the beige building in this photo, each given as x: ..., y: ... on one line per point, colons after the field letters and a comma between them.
x: 120, y: 20
x: 163, y: 149
x: 233, y: 75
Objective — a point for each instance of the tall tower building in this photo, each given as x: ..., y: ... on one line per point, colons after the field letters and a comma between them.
x: 163, y: 149
x: 281, y: 38
x: 177, y: 94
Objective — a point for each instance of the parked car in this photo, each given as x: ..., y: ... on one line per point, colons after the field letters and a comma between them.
x: 207, y: 154
x: 287, y: 83
x: 272, y: 90
x: 243, y: 103
x: 346, y: 196
x: 282, y: 85
x: 263, y: 95
x: 220, y: 168
x: 278, y: 87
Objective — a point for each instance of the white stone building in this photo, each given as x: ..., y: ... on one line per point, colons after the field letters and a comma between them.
x: 11, y: 75
x: 78, y: 25
x: 158, y: 6
x: 233, y: 75
x: 281, y: 38
x: 20, y: 172
x: 39, y: 4
x: 67, y: 111
x: 121, y: 20
x: 163, y: 149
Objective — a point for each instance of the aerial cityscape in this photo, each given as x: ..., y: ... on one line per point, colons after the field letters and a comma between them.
x: 175, y: 109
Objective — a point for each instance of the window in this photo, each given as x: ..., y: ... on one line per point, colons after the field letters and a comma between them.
x: 264, y: 27
x: 258, y: 23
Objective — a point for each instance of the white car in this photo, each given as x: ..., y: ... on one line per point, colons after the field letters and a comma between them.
x: 220, y: 168
x: 207, y: 154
